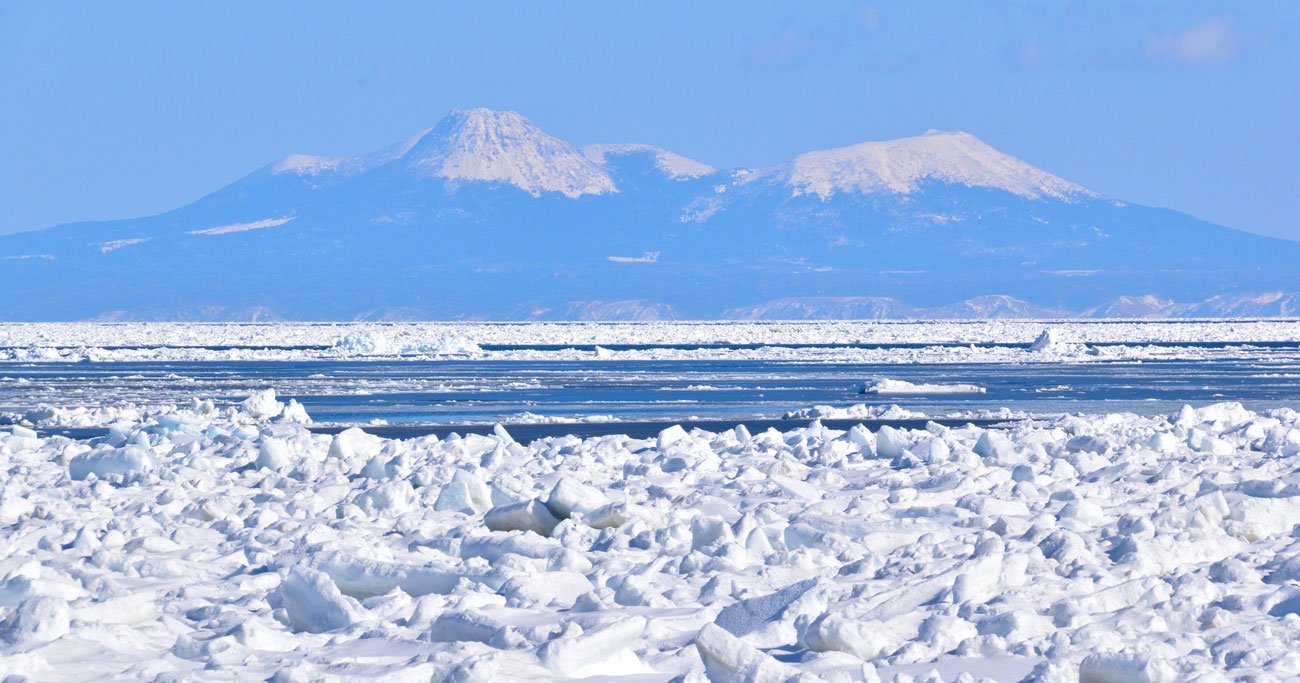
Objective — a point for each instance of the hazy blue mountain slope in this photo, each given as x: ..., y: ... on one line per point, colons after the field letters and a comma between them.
x: 486, y: 216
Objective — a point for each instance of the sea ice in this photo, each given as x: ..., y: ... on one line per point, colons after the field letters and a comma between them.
x: 215, y: 544
x: 904, y: 388
x: 941, y: 342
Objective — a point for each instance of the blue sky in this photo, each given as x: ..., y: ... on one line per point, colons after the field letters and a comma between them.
x: 113, y: 110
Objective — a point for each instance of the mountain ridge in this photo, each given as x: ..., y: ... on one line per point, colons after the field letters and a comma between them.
x: 485, y: 215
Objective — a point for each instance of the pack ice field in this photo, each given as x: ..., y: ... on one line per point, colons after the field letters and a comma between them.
x: 837, y: 501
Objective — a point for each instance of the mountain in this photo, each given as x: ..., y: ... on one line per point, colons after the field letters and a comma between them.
x: 986, y: 307
x: 487, y: 216
x: 992, y: 306
x: 904, y: 166
x: 671, y: 164
x: 1148, y: 306
x: 824, y: 307
x: 503, y: 147
x: 1268, y: 304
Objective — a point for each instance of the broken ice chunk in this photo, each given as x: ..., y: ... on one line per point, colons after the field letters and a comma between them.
x: 529, y: 515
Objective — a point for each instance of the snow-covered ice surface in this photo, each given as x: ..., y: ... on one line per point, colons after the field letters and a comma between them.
x: 233, y: 544
x: 166, y: 339
x: 904, y: 387
x: 880, y: 342
x: 209, y: 534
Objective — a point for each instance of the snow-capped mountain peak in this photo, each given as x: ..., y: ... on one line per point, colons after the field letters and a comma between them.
x: 308, y: 164
x: 672, y: 164
x: 899, y: 166
x: 502, y: 146
x: 314, y: 165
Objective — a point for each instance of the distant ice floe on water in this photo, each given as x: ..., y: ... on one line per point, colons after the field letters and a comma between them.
x: 859, y: 411
x: 1045, y: 341
x: 260, y: 406
x: 903, y: 387
x: 83, y: 416
x: 235, y: 544
x: 535, y: 419
x: 264, y: 405
x: 1050, y: 342
x: 863, y: 411
x: 375, y: 343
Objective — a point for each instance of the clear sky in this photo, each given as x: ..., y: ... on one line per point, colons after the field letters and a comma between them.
x: 114, y: 110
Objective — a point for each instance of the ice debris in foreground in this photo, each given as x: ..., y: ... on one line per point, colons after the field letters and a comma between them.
x: 206, y: 544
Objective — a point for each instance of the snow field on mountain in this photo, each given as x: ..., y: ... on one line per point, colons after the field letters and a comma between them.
x: 900, y: 165
x: 233, y: 545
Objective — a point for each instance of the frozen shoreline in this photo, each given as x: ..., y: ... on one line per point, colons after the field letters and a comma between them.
x: 1130, y: 546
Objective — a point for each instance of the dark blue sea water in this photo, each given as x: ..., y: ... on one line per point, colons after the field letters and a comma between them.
x: 464, y: 391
